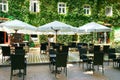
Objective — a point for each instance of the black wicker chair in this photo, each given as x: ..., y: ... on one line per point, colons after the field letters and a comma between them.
x: 82, y: 56
x: 52, y: 56
x: 98, y: 60
x: 112, y: 56
x: 60, y: 62
x: 5, y: 52
x: 18, y: 62
x: 106, y: 49
x: 43, y: 48
x: 97, y: 48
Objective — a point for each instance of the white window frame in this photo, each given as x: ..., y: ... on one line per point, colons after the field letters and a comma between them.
x: 4, y: 6
x: 61, y: 9
x: 108, y: 11
x: 87, y: 9
x: 32, y: 2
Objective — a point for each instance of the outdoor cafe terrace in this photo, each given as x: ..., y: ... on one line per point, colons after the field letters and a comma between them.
x: 79, y: 60
x: 38, y: 68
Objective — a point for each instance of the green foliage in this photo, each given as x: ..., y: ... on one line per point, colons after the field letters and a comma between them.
x: 26, y: 37
x: 87, y: 38
x: 64, y: 39
x: 19, y: 9
x: 75, y: 37
x: 43, y: 38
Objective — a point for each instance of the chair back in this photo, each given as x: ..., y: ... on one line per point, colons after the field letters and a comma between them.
x: 85, y: 45
x: 65, y: 49
x: 106, y: 48
x: 91, y: 45
x: 6, y: 50
x: 82, y: 51
x: 17, y: 62
x: 22, y: 44
x: 20, y: 47
x: 72, y: 44
x: 61, y: 59
x: 98, y: 58
x: 91, y: 48
x: 43, y: 46
x: 111, y: 53
x: 79, y: 45
x: 111, y: 50
x: 19, y: 51
x: 56, y: 46
x: 96, y: 48
x: 52, y: 44
x: 52, y: 51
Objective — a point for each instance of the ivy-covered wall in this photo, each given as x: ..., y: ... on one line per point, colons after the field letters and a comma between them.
x: 19, y: 9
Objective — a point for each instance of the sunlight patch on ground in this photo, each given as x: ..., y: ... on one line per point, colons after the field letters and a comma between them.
x: 88, y: 72
x: 69, y: 65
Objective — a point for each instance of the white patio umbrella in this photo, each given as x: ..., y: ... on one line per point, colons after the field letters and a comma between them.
x: 27, y: 32
x: 18, y: 25
x: 57, y: 27
x: 93, y: 27
x: 6, y: 30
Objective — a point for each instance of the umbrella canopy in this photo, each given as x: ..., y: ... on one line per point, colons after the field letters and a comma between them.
x: 93, y: 27
x: 18, y: 25
x: 6, y: 30
x: 57, y: 27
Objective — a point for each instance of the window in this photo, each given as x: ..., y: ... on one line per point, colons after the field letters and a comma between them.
x: 3, y: 5
x: 87, y: 10
x: 61, y: 8
x: 108, y: 11
x: 34, y: 6
x: 34, y: 36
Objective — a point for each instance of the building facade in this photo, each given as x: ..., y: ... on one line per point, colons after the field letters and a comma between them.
x: 73, y: 12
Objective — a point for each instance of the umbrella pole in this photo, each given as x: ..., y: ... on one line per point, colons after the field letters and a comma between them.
x: 56, y: 35
x: 105, y: 35
x: 56, y: 30
x: 92, y: 37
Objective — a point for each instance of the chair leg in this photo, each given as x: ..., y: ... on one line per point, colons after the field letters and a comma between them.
x: 98, y: 67
x: 79, y: 63
x: 66, y: 71
x: 24, y: 71
x: 55, y: 71
x: 11, y: 74
x: 40, y: 51
x: 93, y: 68
x: 2, y: 59
x: 108, y: 61
x: 113, y: 64
x: 102, y: 69
x: 82, y: 65
x: 23, y: 74
x: 51, y: 67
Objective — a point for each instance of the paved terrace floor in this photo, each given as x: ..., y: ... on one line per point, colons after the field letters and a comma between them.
x: 34, y: 56
x: 75, y: 72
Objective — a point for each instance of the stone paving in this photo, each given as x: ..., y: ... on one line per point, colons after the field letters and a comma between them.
x: 75, y: 72
x: 34, y: 56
